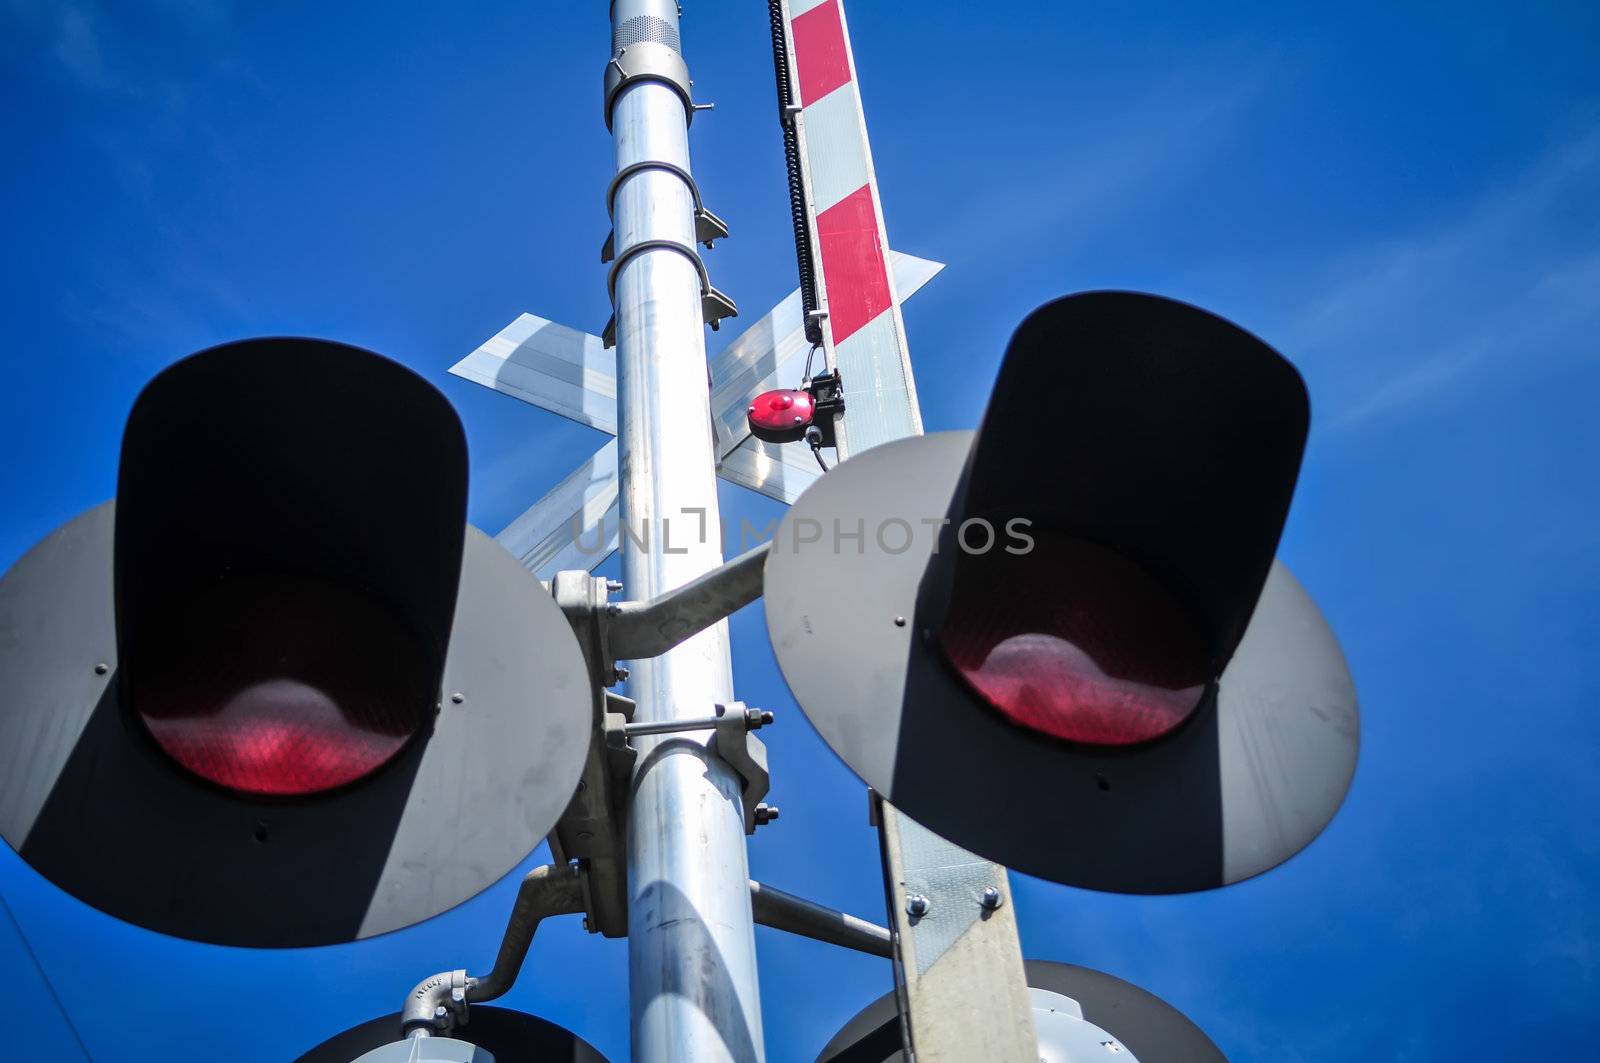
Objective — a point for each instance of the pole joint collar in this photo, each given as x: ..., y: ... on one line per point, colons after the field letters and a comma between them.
x: 648, y: 61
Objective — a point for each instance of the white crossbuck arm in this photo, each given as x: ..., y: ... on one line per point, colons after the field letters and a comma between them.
x: 572, y: 373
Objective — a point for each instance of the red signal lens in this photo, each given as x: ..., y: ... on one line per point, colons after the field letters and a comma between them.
x: 781, y: 416
x: 285, y: 688
x: 1074, y: 641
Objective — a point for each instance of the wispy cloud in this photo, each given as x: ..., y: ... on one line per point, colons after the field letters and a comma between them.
x: 1099, y: 174
x: 136, y: 80
x: 86, y: 42
x: 1512, y: 278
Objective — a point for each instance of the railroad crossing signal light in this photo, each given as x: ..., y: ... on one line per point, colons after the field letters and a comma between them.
x: 282, y: 629
x: 781, y: 416
x: 1062, y: 642
x: 279, y: 692
x: 1079, y: 1014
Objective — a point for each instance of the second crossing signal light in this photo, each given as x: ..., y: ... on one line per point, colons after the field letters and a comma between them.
x: 279, y: 693
x: 1090, y: 668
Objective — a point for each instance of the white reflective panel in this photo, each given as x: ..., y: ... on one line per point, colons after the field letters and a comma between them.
x: 575, y: 525
x: 550, y: 366
x: 880, y: 398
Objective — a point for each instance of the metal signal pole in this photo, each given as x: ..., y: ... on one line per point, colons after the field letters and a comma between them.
x: 691, y: 939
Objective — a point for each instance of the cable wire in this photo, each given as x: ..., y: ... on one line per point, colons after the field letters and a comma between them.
x: 791, y: 159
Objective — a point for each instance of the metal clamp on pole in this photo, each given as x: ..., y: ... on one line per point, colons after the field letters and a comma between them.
x: 714, y: 305
x: 648, y: 61
x: 744, y: 752
x: 747, y: 755
x: 708, y: 228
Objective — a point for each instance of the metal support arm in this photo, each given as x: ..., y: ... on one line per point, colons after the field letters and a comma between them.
x: 640, y: 630
x: 785, y: 911
x: 439, y: 1003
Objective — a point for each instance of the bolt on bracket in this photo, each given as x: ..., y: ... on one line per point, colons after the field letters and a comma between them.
x: 747, y: 755
x: 733, y: 742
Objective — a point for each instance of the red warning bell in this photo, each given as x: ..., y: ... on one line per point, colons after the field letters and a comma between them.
x: 781, y: 416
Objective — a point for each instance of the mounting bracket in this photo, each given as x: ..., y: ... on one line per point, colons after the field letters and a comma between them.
x: 648, y: 61
x: 714, y: 305
x: 590, y: 831
x: 708, y: 228
x: 733, y: 742
x: 747, y: 755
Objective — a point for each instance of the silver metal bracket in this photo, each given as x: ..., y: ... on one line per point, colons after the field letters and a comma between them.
x: 639, y: 630
x: 648, y: 61
x: 590, y: 830
x: 733, y: 742
x: 583, y: 598
x: 747, y: 755
x: 708, y: 228
x: 620, y: 756
x: 714, y: 305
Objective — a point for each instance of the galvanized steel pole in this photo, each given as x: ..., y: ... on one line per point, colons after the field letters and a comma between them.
x: 691, y: 938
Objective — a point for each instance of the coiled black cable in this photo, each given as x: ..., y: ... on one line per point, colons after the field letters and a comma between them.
x: 791, y: 158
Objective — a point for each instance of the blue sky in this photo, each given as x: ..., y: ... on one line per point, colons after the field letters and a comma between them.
x: 1403, y: 198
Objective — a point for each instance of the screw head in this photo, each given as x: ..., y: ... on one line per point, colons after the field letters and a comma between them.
x: 899, y: 621
x: 991, y: 898
x: 458, y: 697
x: 613, y: 585
x: 765, y: 814
x: 102, y: 668
x: 917, y: 906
